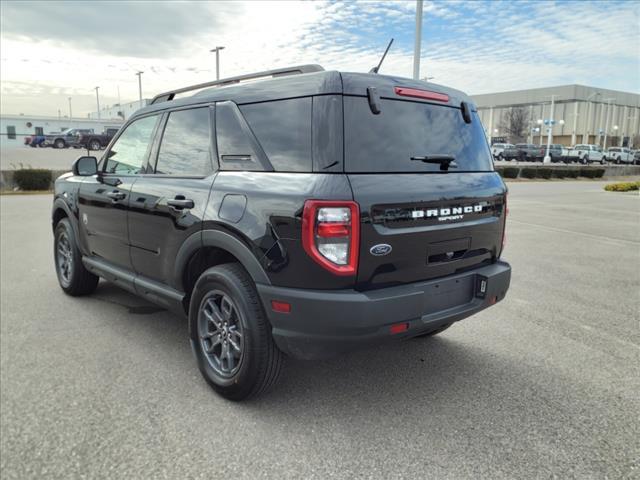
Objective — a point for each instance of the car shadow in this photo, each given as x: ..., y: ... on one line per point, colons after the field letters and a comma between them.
x: 412, y: 377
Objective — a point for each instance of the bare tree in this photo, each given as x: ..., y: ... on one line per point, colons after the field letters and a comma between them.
x: 515, y: 123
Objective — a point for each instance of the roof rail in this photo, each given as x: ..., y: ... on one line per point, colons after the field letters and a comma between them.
x: 279, y: 72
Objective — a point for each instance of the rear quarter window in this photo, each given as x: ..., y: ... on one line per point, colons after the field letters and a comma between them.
x: 404, y: 129
x: 283, y: 129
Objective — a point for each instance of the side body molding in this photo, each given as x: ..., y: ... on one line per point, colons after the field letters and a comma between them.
x: 225, y: 241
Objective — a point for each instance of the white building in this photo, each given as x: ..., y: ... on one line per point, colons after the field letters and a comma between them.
x: 121, y: 111
x: 15, y: 128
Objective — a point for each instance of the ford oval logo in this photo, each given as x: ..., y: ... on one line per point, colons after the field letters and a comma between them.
x: 380, y: 249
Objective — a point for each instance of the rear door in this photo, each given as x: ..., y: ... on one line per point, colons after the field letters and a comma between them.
x: 167, y: 204
x: 421, y: 220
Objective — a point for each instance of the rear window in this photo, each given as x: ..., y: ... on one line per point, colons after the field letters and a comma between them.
x: 403, y: 129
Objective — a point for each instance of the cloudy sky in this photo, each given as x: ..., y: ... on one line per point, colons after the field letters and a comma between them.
x: 54, y: 50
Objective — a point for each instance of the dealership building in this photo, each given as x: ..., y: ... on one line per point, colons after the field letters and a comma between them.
x: 581, y: 115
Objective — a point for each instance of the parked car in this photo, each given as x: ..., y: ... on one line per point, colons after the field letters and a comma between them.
x: 555, y: 153
x: 498, y: 148
x: 524, y: 152
x: 636, y: 157
x: 620, y: 155
x: 94, y: 141
x: 65, y: 139
x: 34, y: 141
x: 587, y: 153
x: 290, y: 217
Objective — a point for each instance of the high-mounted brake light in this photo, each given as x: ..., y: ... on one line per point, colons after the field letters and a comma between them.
x: 424, y: 94
x: 331, y: 234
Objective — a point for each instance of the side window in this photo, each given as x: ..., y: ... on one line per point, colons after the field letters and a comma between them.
x: 184, y: 149
x: 129, y: 154
x: 11, y: 132
x: 39, y: 131
x: 236, y: 149
x: 283, y: 129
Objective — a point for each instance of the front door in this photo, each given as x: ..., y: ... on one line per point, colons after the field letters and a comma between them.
x: 168, y: 204
x: 104, y: 199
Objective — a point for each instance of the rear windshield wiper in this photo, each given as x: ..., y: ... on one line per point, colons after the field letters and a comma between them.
x: 445, y: 161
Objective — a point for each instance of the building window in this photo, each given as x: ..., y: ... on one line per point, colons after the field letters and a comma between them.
x: 39, y: 131
x: 11, y: 132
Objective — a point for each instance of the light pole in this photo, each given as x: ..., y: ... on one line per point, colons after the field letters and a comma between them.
x: 606, y: 125
x: 98, y: 101
x: 70, y: 114
x: 585, y: 136
x: 139, y: 74
x: 418, y: 40
x: 550, y: 123
x: 217, y: 50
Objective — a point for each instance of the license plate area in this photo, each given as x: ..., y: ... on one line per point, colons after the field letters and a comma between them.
x: 448, y: 294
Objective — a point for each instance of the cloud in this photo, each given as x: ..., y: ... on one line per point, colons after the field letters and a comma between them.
x: 478, y: 46
x: 134, y: 29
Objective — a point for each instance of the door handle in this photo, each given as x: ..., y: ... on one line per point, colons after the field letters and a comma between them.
x: 180, y: 203
x: 115, y: 195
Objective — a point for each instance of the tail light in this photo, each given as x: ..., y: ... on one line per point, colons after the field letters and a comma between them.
x: 331, y: 234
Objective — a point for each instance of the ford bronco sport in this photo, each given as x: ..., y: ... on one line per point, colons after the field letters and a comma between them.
x: 306, y: 214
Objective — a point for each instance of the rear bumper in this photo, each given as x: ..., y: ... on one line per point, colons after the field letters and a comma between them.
x: 323, y: 323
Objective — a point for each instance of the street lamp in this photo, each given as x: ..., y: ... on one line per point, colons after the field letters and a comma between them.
x: 606, y: 125
x: 70, y: 114
x: 217, y: 50
x: 98, y: 101
x: 139, y: 74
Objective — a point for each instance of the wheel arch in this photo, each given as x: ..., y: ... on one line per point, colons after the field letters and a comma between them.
x: 208, y: 248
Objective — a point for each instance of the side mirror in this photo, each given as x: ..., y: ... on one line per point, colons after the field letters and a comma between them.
x: 85, y: 166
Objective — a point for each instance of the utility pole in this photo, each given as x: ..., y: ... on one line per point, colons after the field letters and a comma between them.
x: 585, y: 136
x: 217, y: 52
x: 139, y: 74
x: 606, y: 127
x: 98, y: 101
x: 418, y: 41
x: 70, y: 114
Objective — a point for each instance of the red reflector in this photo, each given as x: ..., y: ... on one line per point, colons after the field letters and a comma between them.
x: 399, y: 328
x: 426, y: 94
x: 493, y: 300
x: 282, y: 307
x: 333, y: 229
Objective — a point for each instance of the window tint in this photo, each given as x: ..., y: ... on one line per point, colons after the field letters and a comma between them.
x: 39, y: 131
x: 236, y: 149
x: 11, y: 132
x: 184, y: 149
x: 129, y: 154
x: 283, y: 129
x: 403, y: 129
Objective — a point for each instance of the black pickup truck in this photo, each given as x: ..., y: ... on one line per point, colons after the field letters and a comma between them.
x: 303, y: 215
x: 93, y: 141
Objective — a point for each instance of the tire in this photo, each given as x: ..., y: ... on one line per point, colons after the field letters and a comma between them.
x: 500, y: 157
x: 225, y: 313
x: 435, y: 331
x: 74, y: 279
x: 59, y: 143
x: 94, y: 145
x: 603, y: 161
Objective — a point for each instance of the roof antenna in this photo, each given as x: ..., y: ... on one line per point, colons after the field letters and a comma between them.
x: 375, y: 69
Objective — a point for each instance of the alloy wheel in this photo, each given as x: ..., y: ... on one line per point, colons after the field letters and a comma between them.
x: 64, y: 257
x: 220, y: 332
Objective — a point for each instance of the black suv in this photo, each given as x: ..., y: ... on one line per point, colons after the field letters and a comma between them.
x: 306, y: 214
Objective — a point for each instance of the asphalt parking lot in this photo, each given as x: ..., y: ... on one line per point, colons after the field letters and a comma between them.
x: 543, y: 385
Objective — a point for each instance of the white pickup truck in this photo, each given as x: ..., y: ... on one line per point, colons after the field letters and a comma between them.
x: 620, y: 155
x: 498, y: 148
x: 587, y: 153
